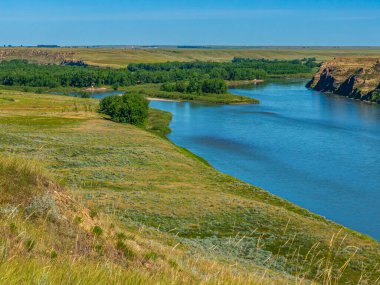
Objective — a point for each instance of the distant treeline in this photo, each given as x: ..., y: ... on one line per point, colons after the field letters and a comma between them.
x: 200, y: 76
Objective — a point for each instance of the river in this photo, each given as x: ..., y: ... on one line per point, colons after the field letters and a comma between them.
x: 318, y: 151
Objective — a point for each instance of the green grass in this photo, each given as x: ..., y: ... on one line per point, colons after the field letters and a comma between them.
x: 158, y: 122
x: 153, y: 91
x: 163, y: 198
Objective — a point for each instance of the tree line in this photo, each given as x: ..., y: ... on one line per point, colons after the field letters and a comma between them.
x: 192, y: 77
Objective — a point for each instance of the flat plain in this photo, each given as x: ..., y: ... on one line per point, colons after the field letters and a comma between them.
x: 121, y: 57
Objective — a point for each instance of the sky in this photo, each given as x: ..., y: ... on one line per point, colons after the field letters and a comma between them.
x: 196, y: 22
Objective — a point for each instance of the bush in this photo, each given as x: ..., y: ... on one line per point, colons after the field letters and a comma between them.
x: 128, y: 253
x: 53, y: 254
x: 84, y: 95
x: 129, y: 108
x: 97, y: 231
x: 29, y: 244
x: 376, y: 96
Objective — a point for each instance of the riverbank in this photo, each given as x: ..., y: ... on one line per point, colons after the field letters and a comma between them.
x: 161, y: 99
x: 145, y: 181
x: 151, y: 91
x: 244, y: 141
x: 243, y: 82
x: 154, y: 91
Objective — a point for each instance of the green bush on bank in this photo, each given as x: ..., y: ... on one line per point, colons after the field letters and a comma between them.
x: 196, y: 86
x: 129, y: 108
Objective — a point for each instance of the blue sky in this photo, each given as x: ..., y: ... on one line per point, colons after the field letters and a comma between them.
x: 206, y: 22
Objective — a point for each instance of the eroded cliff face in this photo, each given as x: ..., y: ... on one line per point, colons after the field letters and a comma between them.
x: 357, y: 78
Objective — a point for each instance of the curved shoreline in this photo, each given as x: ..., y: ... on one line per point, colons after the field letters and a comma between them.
x: 362, y: 234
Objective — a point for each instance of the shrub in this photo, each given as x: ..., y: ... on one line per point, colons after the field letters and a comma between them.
x: 376, y: 96
x: 13, y: 228
x: 29, y: 244
x: 121, y: 236
x: 129, y: 108
x: 99, y: 249
x: 151, y: 256
x: 93, y: 213
x: 78, y: 220
x: 84, y: 95
x: 97, y: 230
x: 125, y: 249
x: 53, y: 254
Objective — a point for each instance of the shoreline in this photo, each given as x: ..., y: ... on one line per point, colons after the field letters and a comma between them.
x: 96, y: 89
x: 324, y: 218
x: 310, y: 212
x: 244, y: 82
x: 162, y: 99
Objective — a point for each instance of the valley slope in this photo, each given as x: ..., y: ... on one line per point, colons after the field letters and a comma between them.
x: 126, y: 200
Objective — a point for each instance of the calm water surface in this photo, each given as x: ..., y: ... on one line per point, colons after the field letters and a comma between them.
x: 320, y: 152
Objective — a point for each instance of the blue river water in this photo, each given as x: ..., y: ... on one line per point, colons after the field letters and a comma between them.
x: 318, y: 151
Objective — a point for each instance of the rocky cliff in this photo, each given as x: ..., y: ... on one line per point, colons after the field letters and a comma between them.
x: 357, y: 78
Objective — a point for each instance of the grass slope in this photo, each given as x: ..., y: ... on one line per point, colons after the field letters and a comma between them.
x: 210, y: 227
x: 46, y: 237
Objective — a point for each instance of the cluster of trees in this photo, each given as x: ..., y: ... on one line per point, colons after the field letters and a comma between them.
x: 237, y: 69
x: 197, y: 86
x: 22, y: 73
x: 129, y: 108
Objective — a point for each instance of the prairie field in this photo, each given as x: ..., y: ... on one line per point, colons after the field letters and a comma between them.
x: 121, y: 57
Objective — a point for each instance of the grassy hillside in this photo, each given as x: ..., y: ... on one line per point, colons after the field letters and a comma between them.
x: 182, y: 221
x: 47, y: 237
x: 120, y: 57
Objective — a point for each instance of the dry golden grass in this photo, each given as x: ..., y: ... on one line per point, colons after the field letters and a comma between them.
x: 120, y: 57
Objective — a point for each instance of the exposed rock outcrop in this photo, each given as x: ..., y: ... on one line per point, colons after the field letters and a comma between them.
x: 357, y: 78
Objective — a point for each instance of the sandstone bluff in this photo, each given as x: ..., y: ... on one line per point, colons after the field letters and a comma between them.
x: 357, y: 78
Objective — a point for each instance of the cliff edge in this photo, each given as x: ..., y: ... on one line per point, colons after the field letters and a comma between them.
x: 357, y: 78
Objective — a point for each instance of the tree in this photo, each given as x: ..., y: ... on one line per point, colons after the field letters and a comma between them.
x: 217, y: 86
x: 129, y: 108
x: 194, y: 86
